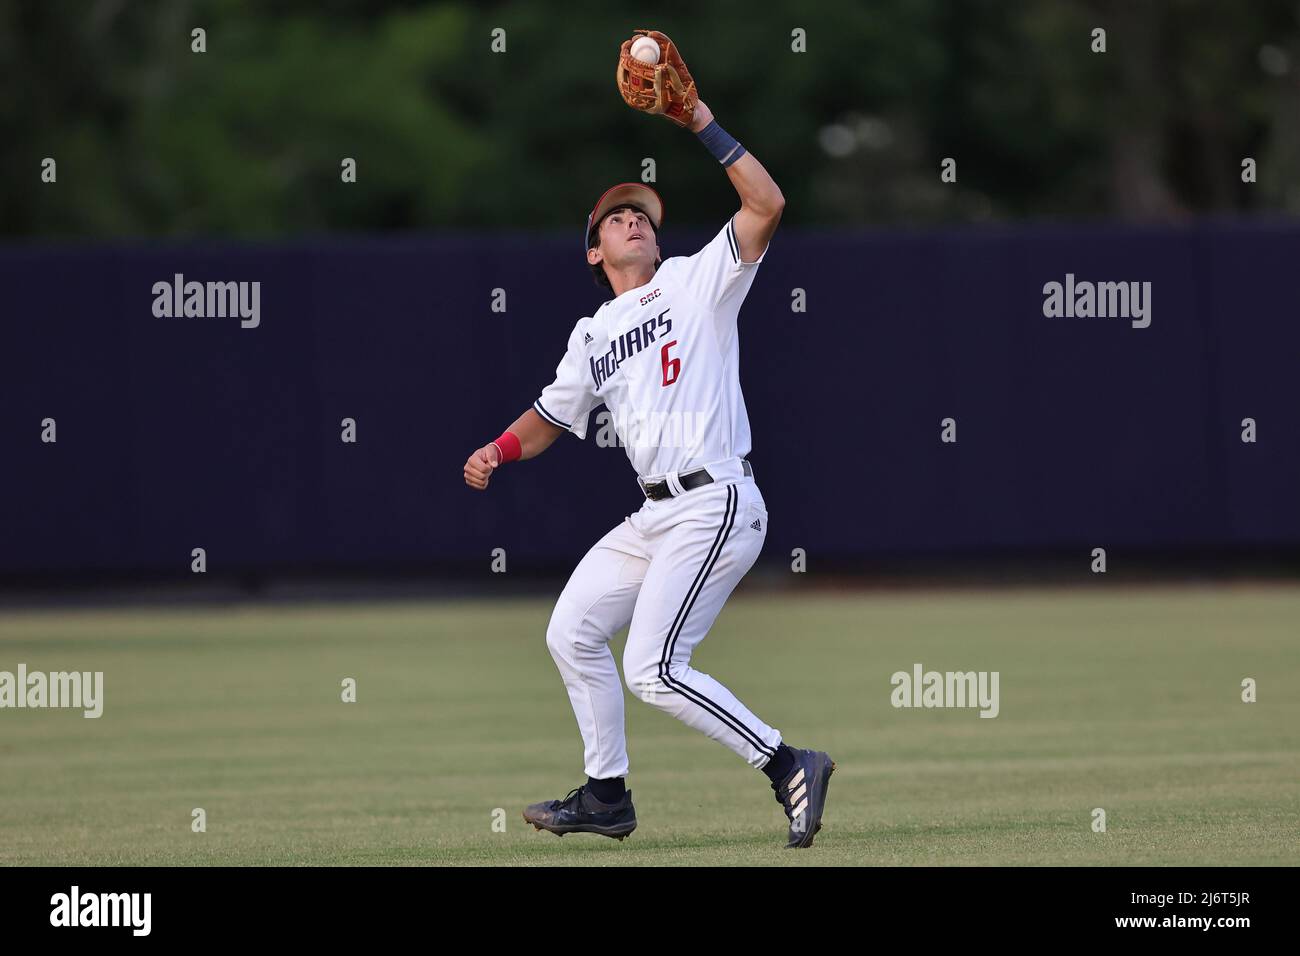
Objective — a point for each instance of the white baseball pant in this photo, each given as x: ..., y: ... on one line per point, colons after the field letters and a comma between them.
x: 666, y: 570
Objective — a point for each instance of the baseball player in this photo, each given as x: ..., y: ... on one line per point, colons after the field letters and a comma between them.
x: 663, y: 356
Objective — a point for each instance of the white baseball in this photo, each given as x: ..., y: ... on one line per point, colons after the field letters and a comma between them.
x: 645, y: 49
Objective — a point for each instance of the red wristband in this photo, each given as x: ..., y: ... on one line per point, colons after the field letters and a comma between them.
x: 508, y: 447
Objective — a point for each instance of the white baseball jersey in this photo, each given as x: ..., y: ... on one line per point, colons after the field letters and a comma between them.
x: 665, y: 359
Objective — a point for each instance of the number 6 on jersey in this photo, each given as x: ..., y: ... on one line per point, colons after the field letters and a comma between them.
x: 672, y: 367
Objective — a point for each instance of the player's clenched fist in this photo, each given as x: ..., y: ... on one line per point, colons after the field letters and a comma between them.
x: 529, y: 429
x: 481, y: 464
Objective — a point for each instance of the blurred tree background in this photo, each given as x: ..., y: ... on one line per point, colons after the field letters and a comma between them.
x: 246, y: 139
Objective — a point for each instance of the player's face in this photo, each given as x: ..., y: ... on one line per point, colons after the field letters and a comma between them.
x: 627, y: 238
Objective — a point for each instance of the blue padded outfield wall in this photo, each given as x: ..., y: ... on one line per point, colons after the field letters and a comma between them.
x: 175, y: 433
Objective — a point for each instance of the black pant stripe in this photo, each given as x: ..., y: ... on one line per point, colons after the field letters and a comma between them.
x: 708, y: 560
x: 688, y: 602
x: 690, y: 692
x: 728, y: 519
x: 686, y: 690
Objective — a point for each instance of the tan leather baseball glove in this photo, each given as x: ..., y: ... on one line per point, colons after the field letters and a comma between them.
x: 665, y: 87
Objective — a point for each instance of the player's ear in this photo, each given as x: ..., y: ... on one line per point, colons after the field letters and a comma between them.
x: 594, y: 256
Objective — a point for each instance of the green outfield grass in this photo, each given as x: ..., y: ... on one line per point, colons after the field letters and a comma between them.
x: 1125, y: 700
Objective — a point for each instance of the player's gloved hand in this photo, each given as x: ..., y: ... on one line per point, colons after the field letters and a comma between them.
x: 480, y: 465
x: 664, y: 87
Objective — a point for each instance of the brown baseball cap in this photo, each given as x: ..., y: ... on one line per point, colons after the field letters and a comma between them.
x: 625, y: 194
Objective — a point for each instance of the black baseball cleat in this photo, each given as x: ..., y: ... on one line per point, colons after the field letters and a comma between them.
x: 803, y: 795
x: 580, y: 812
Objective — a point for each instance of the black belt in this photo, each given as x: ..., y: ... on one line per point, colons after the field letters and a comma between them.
x: 659, y: 490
